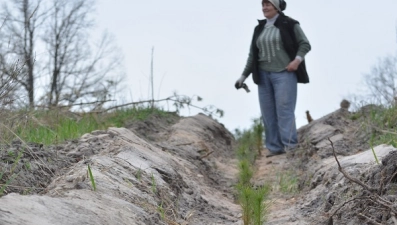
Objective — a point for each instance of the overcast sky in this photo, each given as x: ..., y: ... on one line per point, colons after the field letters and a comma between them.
x: 201, y: 48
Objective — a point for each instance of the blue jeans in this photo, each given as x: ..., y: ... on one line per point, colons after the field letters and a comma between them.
x: 277, y: 98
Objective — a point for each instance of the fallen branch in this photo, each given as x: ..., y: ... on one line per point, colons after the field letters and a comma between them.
x: 13, y: 186
x: 134, y: 103
x: 384, y: 203
x: 391, y: 178
x: 394, y: 220
x: 355, y: 180
x: 351, y: 200
x: 206, y: 155
x: 368, y: 219
x: 71, y: 105
x: 374, y: 197
x: 185, y: 144
x: 180, y: 102
x: 383, y: 131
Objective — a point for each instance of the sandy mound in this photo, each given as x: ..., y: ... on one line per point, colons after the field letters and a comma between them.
x: 182, y: 171
x: 323, y: 190
x: 184, y: 176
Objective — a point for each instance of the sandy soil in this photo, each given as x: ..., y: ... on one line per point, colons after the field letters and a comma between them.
x: 192, y: 165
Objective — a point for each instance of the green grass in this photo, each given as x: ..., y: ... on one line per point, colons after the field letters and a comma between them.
x: 287, y: 182
x: 91, y: 178
x: 138, y: 174
x: 13, y: 175
x: 49, y: 127
x: 135, y: 114
x: 4, y: 186
x: 383, y: 122
x: 154, y: 185
x: 372, y: 149
x: 63, y: 129
x: 161, y: 210
x: 53, y: 127
x: 355, y: 116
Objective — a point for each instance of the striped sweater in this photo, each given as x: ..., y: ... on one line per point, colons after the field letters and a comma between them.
x: 272, y: 55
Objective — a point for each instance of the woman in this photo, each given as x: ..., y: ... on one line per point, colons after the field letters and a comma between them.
x: 276, y: 61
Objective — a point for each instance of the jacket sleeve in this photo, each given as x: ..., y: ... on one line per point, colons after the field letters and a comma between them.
x: 303, y: 43
x: 249, y: 65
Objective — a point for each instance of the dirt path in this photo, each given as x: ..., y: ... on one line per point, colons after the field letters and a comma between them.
x: 270, y: 170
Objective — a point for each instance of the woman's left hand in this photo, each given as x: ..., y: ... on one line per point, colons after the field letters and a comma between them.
x: 293, y: 66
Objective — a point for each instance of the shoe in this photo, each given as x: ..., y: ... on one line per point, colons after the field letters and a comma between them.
x: 290, y: 148
x: 271, y: 154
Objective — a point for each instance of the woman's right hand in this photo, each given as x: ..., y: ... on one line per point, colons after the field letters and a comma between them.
x: 240, y: 81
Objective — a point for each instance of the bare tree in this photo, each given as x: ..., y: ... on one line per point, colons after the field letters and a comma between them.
x: 382, y: 81
x: 380, y: 84
x: 76, y: 69
x: 21, y: 22
x: 79, y: 70
x: 8, y: 84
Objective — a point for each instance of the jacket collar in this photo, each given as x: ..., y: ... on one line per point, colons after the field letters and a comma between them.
x: 263, y: 22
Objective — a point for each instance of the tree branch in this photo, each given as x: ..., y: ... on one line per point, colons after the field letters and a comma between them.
x: 355, y: 180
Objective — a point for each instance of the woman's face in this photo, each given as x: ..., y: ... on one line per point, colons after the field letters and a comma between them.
x: 269, y: 11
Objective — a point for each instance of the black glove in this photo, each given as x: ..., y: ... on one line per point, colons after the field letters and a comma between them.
x: 239, y: 83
